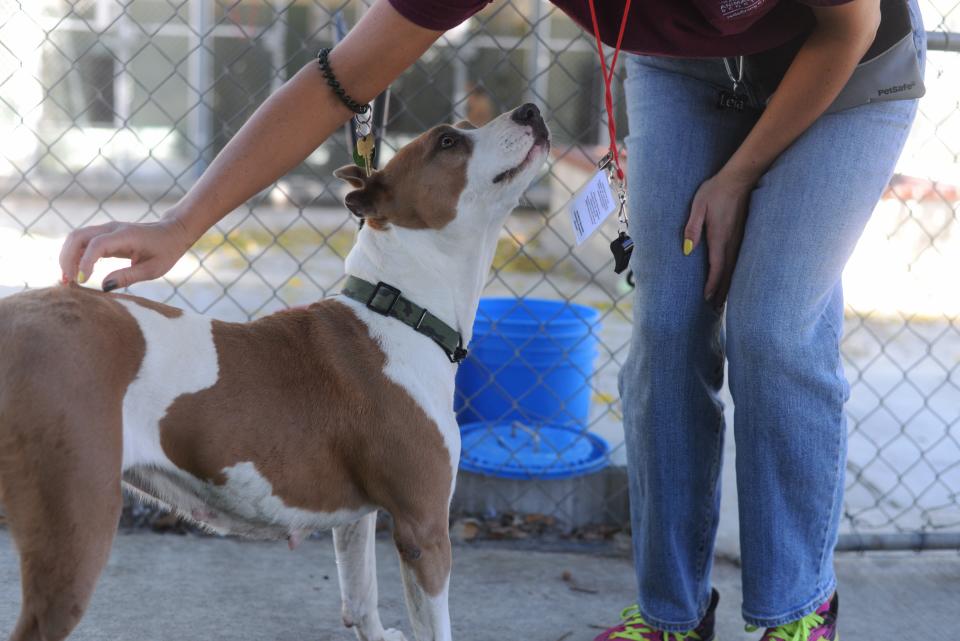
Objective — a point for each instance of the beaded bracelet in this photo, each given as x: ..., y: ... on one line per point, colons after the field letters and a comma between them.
x: 351, y: 104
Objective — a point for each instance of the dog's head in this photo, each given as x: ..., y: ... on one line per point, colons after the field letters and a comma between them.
x: 452, y: 172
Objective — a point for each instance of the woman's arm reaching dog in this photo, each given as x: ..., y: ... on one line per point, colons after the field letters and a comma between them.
x: 286, y: 129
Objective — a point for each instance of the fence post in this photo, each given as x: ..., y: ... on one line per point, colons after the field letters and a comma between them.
x: 201, y: 80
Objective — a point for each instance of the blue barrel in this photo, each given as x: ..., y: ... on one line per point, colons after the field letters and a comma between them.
x: 530, y: 360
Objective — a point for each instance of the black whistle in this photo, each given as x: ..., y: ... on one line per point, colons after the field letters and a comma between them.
x: 621, y: 247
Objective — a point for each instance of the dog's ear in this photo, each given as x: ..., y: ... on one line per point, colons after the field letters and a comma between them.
x: 465, y: 124
x: 356, y: 176
x: 364, y: 200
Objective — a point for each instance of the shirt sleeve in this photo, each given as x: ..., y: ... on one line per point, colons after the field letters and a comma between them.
x: 438, y: 15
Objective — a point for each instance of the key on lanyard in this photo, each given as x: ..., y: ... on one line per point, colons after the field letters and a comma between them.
x: 366, y: 144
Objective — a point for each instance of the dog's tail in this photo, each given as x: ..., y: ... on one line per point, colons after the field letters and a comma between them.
x: 6, y: 439
x: 7, y: 367
x: 60, y: 449
x: 24, y: 372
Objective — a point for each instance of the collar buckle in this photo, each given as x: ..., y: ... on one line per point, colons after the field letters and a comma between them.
x: 458, y: 354
x: 383, y: 298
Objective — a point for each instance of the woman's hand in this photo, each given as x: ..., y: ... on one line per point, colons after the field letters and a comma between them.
x: 819, y: 71
x: 283, y: 131
x: 153, y: 248
x: 718, y: 214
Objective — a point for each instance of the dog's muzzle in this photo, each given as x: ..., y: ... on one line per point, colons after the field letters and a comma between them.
x: 529, y: 114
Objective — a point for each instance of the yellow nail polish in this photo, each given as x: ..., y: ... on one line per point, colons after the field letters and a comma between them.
x: 81, y: 277
x: 687, y: 246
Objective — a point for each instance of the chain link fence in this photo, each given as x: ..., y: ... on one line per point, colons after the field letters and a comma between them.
x: 110, y: 110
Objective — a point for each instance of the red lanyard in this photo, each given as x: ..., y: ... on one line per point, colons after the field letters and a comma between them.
x: 608, y: 78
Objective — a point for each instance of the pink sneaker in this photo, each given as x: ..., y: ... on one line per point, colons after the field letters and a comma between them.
x: 633, y: 628
x: 816, y: 626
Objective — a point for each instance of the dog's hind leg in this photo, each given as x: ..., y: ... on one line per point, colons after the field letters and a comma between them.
x: 62, y: 506
x: 425, y: 563
x: 357, y: 568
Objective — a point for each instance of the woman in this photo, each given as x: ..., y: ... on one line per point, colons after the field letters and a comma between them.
x: 755, y: 207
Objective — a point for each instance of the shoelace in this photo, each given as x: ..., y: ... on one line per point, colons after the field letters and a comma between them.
x: 636, y: 629
x: 795, y: 630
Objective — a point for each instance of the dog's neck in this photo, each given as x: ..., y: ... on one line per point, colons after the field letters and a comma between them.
x: 444, y: 272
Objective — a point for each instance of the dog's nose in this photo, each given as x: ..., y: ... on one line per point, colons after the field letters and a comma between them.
x: 529, y: 114
x: 526, y: 114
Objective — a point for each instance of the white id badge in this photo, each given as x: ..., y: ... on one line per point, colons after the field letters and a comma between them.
x: 591, y: 205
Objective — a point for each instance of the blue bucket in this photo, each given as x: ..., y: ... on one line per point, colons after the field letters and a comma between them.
x: 530, y: 360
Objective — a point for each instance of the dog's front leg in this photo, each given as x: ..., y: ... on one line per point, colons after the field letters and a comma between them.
x: 357, y: 568
x: 425, y: 564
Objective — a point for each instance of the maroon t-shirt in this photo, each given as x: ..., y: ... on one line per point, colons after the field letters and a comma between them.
x: 683, y: 28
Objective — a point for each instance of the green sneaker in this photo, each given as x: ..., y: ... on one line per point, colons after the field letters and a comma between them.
x: 632, y: 627
x: 816, y: 626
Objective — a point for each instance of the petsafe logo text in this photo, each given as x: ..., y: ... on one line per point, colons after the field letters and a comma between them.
x: 895, y: 89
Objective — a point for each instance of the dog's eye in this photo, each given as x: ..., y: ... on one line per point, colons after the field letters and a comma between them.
x: 447, y: 141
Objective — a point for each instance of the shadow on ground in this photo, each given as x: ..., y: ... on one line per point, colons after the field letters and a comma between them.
x: 167, y: 587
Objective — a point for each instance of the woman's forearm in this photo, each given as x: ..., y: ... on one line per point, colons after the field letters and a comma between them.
x: 814, y: 79
x: 296, y: 119
x: 283, y: 131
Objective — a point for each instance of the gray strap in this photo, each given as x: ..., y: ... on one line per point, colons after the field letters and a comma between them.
x: 388, y: 300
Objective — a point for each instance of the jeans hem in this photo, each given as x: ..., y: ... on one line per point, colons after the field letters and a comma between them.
x: 795, y: 614
x: 666, y: 626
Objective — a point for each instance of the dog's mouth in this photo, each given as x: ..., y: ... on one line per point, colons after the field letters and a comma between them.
x: 541, y: 141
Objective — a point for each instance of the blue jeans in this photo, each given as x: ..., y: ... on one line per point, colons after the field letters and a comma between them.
x: 781, y: 334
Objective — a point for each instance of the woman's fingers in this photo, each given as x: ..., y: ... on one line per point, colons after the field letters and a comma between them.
x: 693, y: 233
x: 694, y: 228
x: 76, y: 244
x: 720, y: 298
x: 153, y: 249
x: 717, y: 216
x: 734, y: 256
x: 723, y: 252
x: 114, y: 245
x: 135, y: 273
x: 716, y: 256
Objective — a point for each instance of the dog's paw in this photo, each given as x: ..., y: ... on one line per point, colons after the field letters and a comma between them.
x: 393, y: 635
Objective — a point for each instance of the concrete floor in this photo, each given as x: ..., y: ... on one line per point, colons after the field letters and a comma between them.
x: 167, y: 587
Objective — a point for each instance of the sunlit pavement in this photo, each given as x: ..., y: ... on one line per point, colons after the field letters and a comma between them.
x: 171, y: 588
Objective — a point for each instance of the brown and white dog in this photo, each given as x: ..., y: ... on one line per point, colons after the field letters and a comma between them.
x: 308, y: 419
